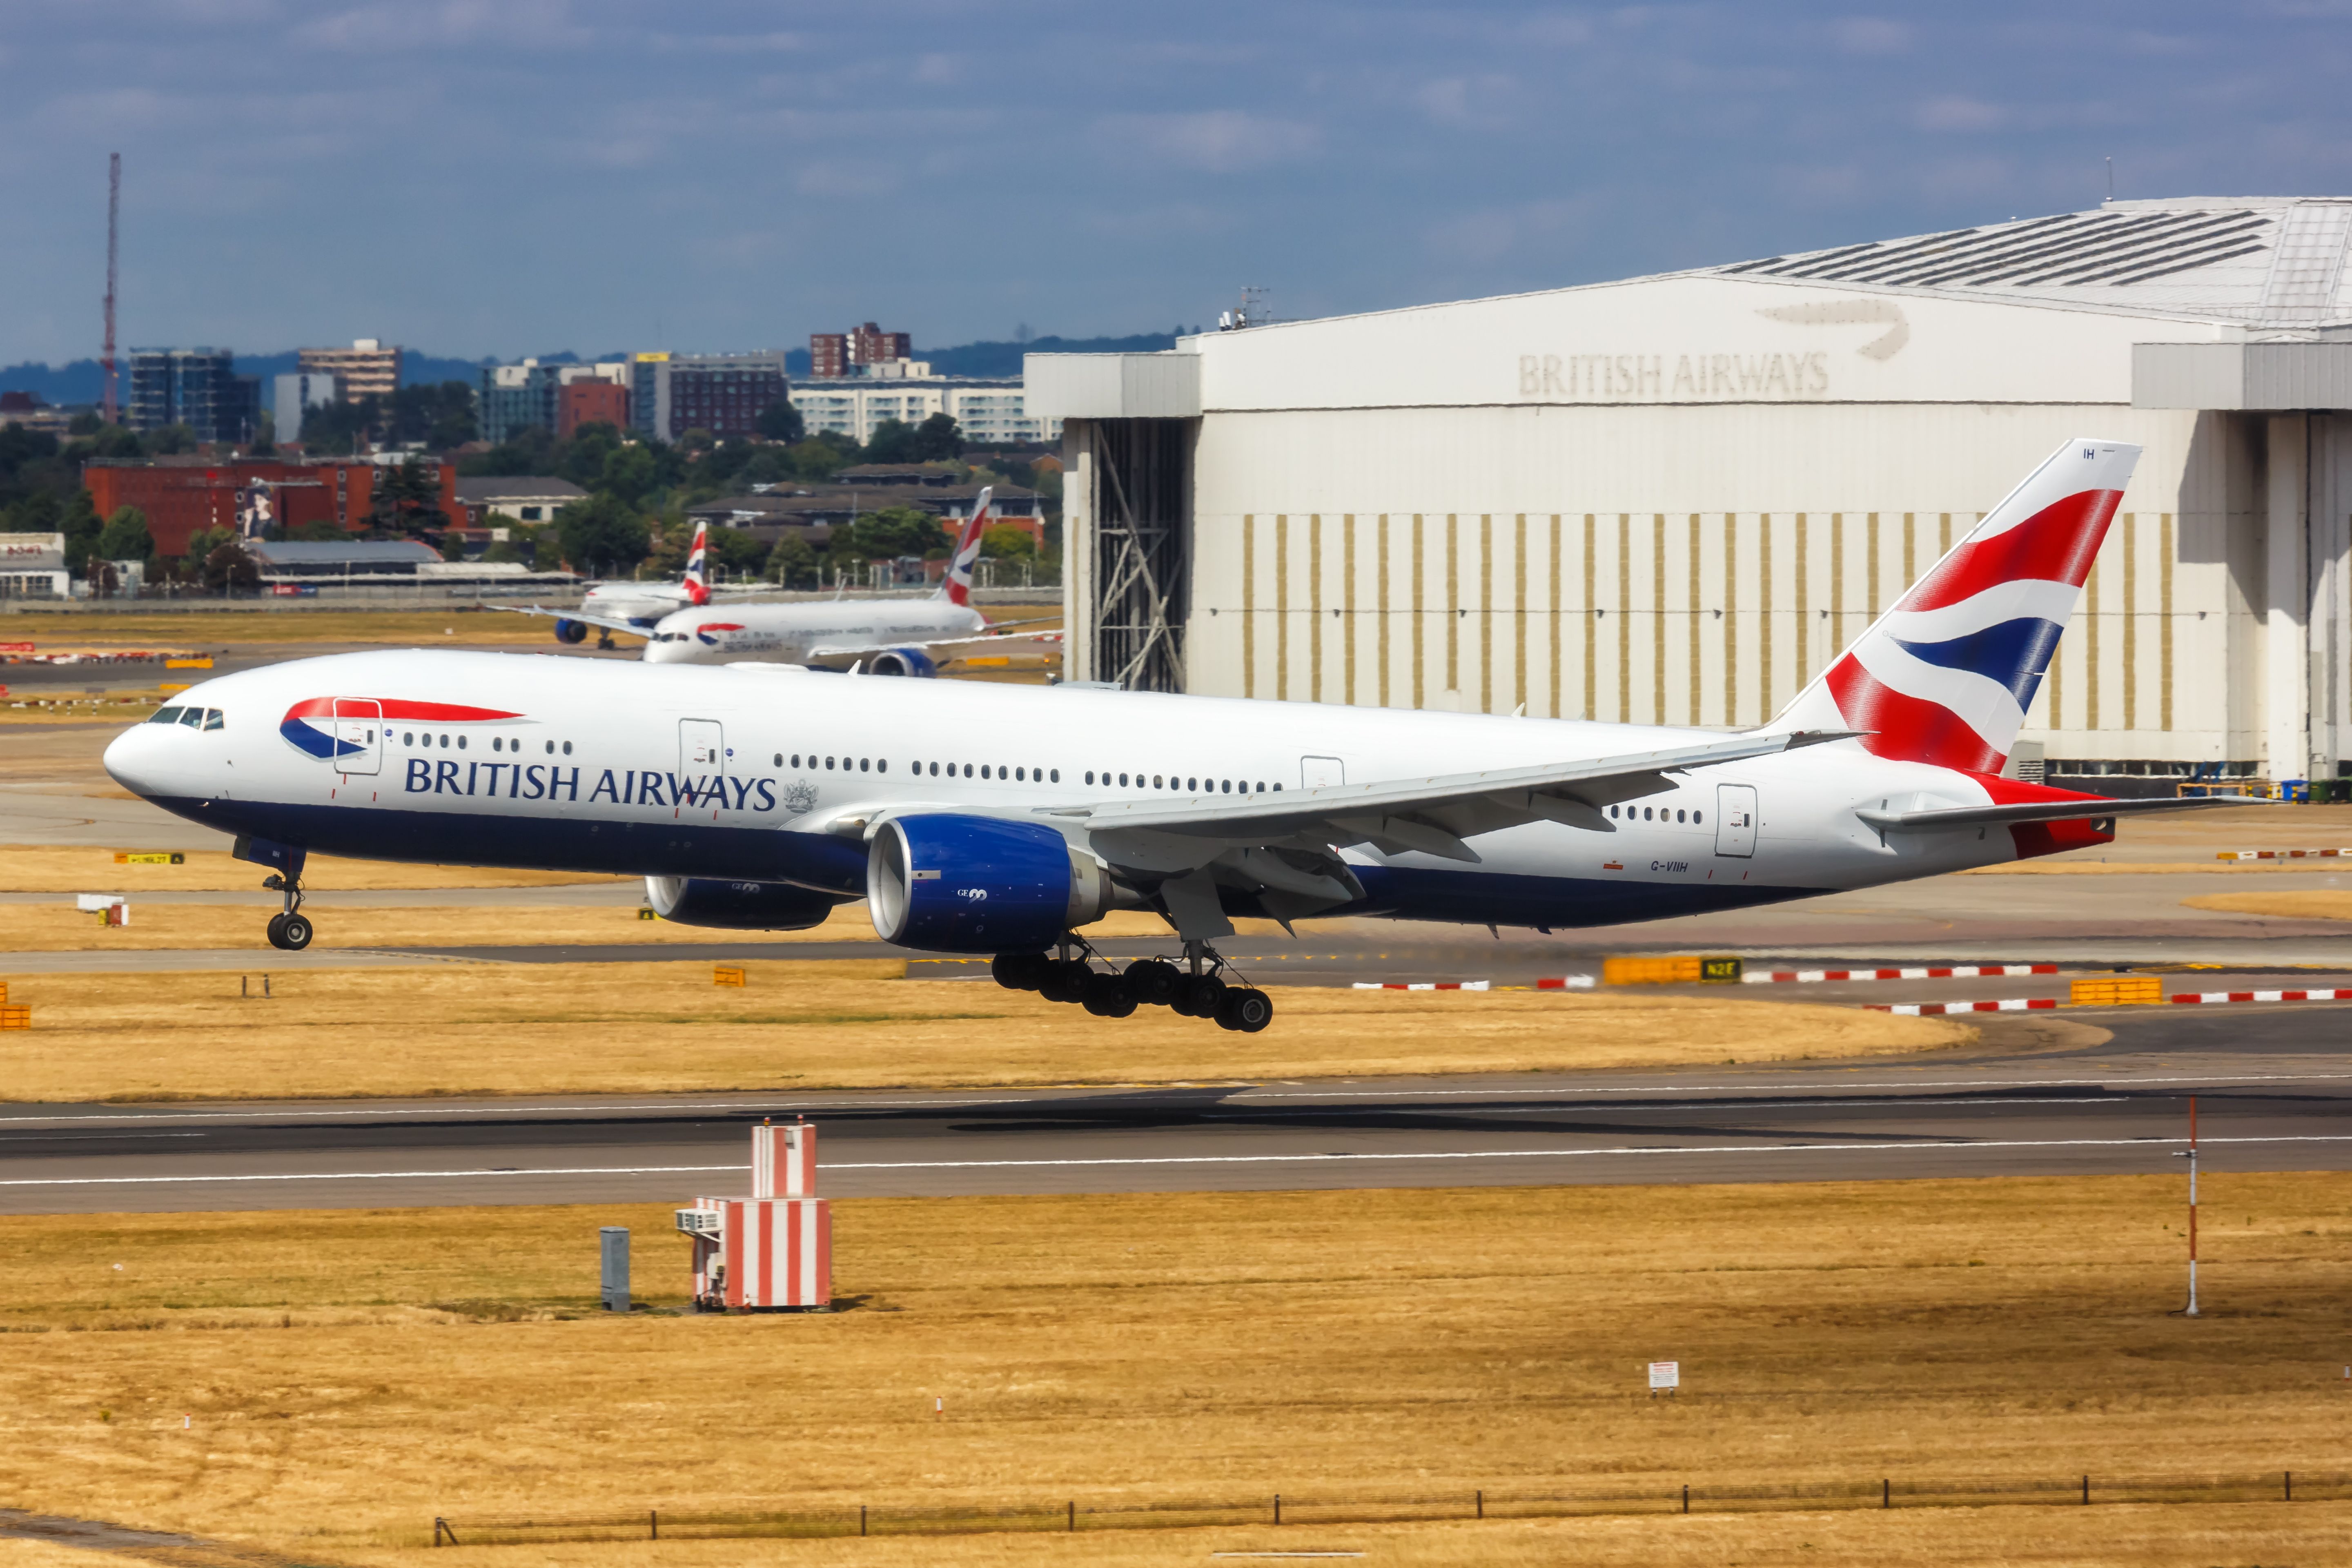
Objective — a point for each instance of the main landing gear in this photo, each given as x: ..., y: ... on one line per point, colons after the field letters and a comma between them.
x: 1196, y: 988
x: 289, y: 930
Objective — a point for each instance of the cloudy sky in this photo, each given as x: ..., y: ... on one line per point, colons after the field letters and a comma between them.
x: 521, y: 176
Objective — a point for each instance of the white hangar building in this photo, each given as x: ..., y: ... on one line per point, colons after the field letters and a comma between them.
x: 1675, y: 499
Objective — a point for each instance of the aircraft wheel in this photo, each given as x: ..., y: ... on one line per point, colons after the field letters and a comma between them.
x: 294, y: 934
x: 1065, y: 980
x: 1019, y: 970
x: 277, y: 931
x: 1154, y: 980
x: 1109, y: 996
x: 1246, y: 1010
x: 1199, y: 995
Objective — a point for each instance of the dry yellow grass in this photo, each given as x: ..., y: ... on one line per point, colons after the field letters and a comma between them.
x: 47, y: 868
x: 350, y: 1375
x: 207, y: 631
x: 2318, y: 904
x: 2146, y: 868
x: 638, y: 1027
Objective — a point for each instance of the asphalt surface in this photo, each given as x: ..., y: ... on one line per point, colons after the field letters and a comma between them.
x: 2273, y: 1088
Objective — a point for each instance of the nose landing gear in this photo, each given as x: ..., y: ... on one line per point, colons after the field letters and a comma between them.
x: 1197, y: 989
x: 290, y: 931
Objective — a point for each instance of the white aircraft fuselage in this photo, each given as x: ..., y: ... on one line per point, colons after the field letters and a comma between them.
x: 717, y: 634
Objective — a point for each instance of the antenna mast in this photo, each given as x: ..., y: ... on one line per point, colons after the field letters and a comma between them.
x: 113, y: 220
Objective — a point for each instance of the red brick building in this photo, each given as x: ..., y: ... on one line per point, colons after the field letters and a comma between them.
x: 841, y: 353
x: 183, y: 496
x: 590, y: 402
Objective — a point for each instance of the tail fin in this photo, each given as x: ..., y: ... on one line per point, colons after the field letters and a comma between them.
x: 698, y: 590
x: 1947, y: 675
x: 956, y: 586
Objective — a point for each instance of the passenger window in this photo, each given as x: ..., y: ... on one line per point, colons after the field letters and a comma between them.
x: 1122, y: 781
x: 1022, y: 775
x: 967, y: 770
x: 567, y: 748
x: 215, y: 720
x: 779, y: 759
x: 1057, y: 776
x: 408, y: 738
x: 1679, y: 816
x: 1193, y: 785
x: 984, y: 769
x: 828, y: 765
x: 461, y: 742
x: 165, y: 716
x: 865, y: 765
x: 1698, y: 817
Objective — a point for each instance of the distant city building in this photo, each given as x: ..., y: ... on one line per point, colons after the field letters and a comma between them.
x: 26, y: 411
x: 989, y: 413
x: 671, y: 394
x: 33, y: 566
x: 530, y: 497
x: 846, y: 353
x: 291, y: 396
x: 366, y: 369
x: 195, y: 387
x: 517, y: 398
x: 183, y: 496
x: 590, y: 400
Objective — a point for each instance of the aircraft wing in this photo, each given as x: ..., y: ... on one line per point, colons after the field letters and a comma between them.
x: 1938, y: 818
x: 605, y: 623
x: 1433, y: 815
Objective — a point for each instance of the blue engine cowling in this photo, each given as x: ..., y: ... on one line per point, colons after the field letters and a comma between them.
x: 911, y: 661
x: 978, y: 884
x: 740, y: 906
x: 571, y: 631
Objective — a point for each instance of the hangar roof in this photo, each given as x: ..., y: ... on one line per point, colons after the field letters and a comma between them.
x: 2270, y: 264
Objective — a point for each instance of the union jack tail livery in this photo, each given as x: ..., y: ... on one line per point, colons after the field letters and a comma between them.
x: 956, y: 586
x: 1946, y: 676
x: 698, y: 590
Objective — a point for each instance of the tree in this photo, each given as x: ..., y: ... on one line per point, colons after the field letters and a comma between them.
x: 228, y: 566
x: 893, y: 441
x: 81, y: 525
x: 318, y: 531
x: 169, y: 440
x: 738, y: 551
x: 897, y: 530
x: 822, y: 454
x: 439, y: 414
x: 780, y: 421
x: 125, y: 536
x: 628, y: 473
x: 1006, y: 543
x: 792, y: 563
x: 936, y: 439
x: 406, y: 498
x: 601, y: 534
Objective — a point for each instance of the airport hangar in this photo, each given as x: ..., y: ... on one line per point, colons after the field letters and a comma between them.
x: 1674, y: 498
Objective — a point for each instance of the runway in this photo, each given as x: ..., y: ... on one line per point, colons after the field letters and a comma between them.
x: 2274, y: 1089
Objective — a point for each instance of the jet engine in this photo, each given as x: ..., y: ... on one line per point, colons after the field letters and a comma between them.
x: 911, y: 661
x: 571, y: 631
x: 738, y: 906
x: 978, y: 884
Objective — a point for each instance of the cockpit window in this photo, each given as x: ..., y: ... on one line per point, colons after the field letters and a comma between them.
x: 214, y: 719
x: 192, y: 716
x: 165, y: 716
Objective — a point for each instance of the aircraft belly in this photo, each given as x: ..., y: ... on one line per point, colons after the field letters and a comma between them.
x: 1479, y: 898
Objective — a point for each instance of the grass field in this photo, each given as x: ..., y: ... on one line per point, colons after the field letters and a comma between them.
x: 348, y: 1376
x: 453, y: 1028
x: 46, y: 868
x: 2318, y: 904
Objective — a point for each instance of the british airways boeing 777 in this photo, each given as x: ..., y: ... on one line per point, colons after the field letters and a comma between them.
x: 1002, y: 819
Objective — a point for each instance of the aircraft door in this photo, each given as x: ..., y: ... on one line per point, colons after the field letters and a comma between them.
x: 701, y: 747
x: 1734, y: 820
x: 359, y: 735
x: 1315, y: 772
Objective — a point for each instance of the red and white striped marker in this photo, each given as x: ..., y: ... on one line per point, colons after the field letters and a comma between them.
x: 1929, y: 1009
x: 1941, y: 972
x: 1424, y: 985
x: 2283, y: 854
x: 2192, y: 998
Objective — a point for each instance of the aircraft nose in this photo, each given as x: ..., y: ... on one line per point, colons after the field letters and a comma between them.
x: 134, y: 758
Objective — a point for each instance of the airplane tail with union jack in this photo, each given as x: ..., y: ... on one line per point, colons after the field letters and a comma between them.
x: 956, y: 586
x: 698, y: 584
x: 1946, y: 676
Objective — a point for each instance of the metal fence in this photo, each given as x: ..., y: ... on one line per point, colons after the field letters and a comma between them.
x: 1372, y: 1507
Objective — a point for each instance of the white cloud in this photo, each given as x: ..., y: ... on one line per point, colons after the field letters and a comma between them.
x: 1954, y: 113
x: 1218, y: 141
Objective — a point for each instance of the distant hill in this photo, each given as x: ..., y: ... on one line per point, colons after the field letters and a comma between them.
x: 79, y: 381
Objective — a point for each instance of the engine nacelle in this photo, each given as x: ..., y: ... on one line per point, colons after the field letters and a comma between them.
x: 911, y: 661
x: 571, y: 631
x: 738, y: 906
x: 979, y: 884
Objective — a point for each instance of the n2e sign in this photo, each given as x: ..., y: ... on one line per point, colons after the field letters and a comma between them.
x: 1667, y: 1375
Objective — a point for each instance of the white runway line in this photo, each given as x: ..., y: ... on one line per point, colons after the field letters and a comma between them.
x: 2157, y: 1144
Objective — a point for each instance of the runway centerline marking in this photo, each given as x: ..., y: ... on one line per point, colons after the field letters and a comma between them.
x: 1920, y: 1146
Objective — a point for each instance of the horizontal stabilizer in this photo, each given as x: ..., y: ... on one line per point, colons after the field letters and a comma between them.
x: 2036, y: 811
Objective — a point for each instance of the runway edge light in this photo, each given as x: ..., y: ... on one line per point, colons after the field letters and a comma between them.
x: 774, y: 1249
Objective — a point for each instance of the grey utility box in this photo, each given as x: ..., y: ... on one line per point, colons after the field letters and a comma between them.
x: 616, y: 1240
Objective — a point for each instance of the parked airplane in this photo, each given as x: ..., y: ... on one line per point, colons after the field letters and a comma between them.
x: 887, y: 637
x: 637, y: 607
x: 1002, y: 819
